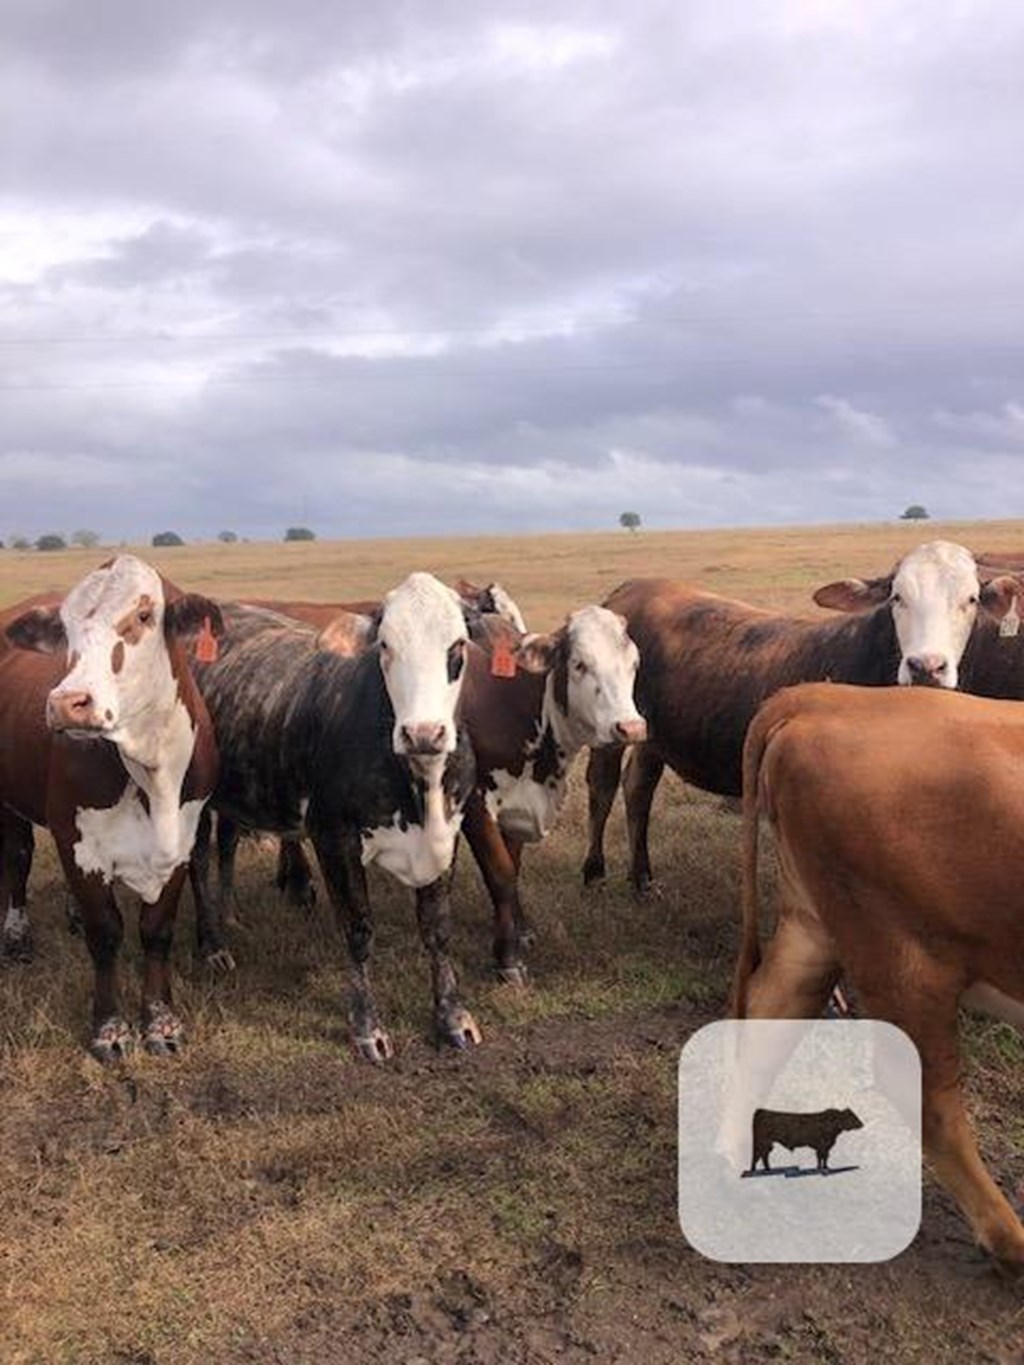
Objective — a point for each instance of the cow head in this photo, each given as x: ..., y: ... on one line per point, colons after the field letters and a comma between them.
x: 492, y: 600
x: 847, y: 1120
x: 934, y: 594
x: 116, y: 625
x: 592, y: 663
x: 421, y: 639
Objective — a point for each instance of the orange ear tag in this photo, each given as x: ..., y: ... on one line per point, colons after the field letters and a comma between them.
x: 206, y: 644
x: 503, y: 661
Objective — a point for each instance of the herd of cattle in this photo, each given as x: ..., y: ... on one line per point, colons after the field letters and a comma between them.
x: 130, y: 712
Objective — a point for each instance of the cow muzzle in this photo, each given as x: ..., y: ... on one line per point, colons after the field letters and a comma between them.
x: 73, y: 710
x: 630, y: 731
x: 928, y: 670
x: 426, y: 739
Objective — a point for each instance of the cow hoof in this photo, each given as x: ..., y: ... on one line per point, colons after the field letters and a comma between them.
x: 74, y: 916
x: 163, y: 1035
x: 219, y: 961
x: 458, y: 1028
x: 513, y: 976
x: 645, y: 889
x: 302, y: 897
x: 375, y: 1046
x: 17, y: 946
x: 113, y: 1041
x: 593, y: 871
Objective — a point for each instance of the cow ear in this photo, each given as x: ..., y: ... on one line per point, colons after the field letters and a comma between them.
x: 469, y: 592
x: 854, y: 594
x: 348, y: 634
x: 185, y: 615
x: 998, y: 595
x: 40, y: 629
x: 539, y: 653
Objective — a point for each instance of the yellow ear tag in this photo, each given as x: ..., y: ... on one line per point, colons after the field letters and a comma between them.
x: 206, y: 644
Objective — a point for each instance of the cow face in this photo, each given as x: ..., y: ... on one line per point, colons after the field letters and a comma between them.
x: 849, y: 1121
x: 421, y: 638
x: 593, y: 663
x: 114, y: 624
x: 934, y: 594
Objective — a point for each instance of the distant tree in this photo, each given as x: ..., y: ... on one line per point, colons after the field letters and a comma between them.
x: 87, y: 539
x: 226, y: 537
x: 629, y: 521
x: 164, y: 538
x: 915, y: 512
x: 20, y: 543
x: 299, y: 533
x: 51, y: 541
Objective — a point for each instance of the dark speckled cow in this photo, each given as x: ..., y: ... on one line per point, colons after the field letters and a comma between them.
x: 364, y: 754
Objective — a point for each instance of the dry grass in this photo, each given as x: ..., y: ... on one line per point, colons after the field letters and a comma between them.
x: 267, y: 1198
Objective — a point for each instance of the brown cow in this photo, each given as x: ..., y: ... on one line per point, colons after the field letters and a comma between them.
x: 112, y: 748
x: 897, y: 816
x: 707, y: 663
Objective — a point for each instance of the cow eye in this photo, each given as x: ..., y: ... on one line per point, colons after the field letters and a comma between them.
x: 456, y: 659
x: 145, y: 616
x: 972, y: 601
x: 579, y: 667
x: 896, y: 600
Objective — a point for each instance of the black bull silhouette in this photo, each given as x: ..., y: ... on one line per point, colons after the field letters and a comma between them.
x: 819, y: 1130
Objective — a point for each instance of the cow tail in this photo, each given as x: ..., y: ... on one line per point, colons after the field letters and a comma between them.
x: 758, y: 735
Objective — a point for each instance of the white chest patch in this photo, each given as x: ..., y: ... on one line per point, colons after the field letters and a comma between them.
x: 522, y: 807
x: 122, y: 842
x: 416, y: 855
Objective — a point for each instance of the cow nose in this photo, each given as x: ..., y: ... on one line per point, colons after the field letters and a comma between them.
x: 926, y: 668
x: 71, y: 710
x: 631, y: 731
x: 426, y: 738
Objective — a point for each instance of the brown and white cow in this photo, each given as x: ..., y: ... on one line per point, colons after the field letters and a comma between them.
x: 897, y: 815
x: 105, y: 740
x: 932, y: 620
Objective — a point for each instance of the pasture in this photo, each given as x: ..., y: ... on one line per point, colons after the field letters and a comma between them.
x: 266, y: 1197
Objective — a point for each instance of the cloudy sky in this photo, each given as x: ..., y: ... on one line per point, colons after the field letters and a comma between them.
x: 384, y: 267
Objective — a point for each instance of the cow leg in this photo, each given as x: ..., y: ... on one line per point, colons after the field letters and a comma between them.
x: 17, y: 844
x: 161, y: 1028
x: 498, y: 869
x: 925, y: 1007
x: 603, y: 770
x: 643, y: 773
x: 452, y: 1021
x: 228, y: 834
x: 345, y: 878
x: 112, y: 1036
x: 798, y: 971
x: 294, y: 877
x: 527, y: 934
x: 210, y: 944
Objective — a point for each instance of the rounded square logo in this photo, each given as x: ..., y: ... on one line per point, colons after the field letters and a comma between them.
x: 799, y: 1140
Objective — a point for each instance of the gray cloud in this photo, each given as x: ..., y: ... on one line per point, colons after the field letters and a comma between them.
x: 423, y: 268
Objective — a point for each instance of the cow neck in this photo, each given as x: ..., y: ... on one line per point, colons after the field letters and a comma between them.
x: 566, y: 737
x: 156, y: 750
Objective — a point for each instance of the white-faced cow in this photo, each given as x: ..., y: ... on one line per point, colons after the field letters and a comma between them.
x: 931, y: 621
x: 105, y: 740
x: 898, y: 817
x: 364, y: 753
x: 530, y: 704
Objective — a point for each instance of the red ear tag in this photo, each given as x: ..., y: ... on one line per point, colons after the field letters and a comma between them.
x: 206, y: 644
x: 503, y: 661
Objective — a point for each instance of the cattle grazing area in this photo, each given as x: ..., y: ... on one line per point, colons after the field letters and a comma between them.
x: 268, y: 1196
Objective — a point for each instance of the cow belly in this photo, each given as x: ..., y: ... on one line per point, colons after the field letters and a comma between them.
x: 119, y: 842
x: 522, y: 808
x: 415, y: 855
x: 981, y: 996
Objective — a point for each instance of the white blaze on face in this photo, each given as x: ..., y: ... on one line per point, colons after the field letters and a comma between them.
x: 113, y: 620
x: 422, y: 638
x: 934, y: 602
x: 602, y: 667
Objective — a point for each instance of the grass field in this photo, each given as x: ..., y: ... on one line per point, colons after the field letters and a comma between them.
x: 268, y: 1198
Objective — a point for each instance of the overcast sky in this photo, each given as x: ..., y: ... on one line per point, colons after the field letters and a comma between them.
x: 383, y: 268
